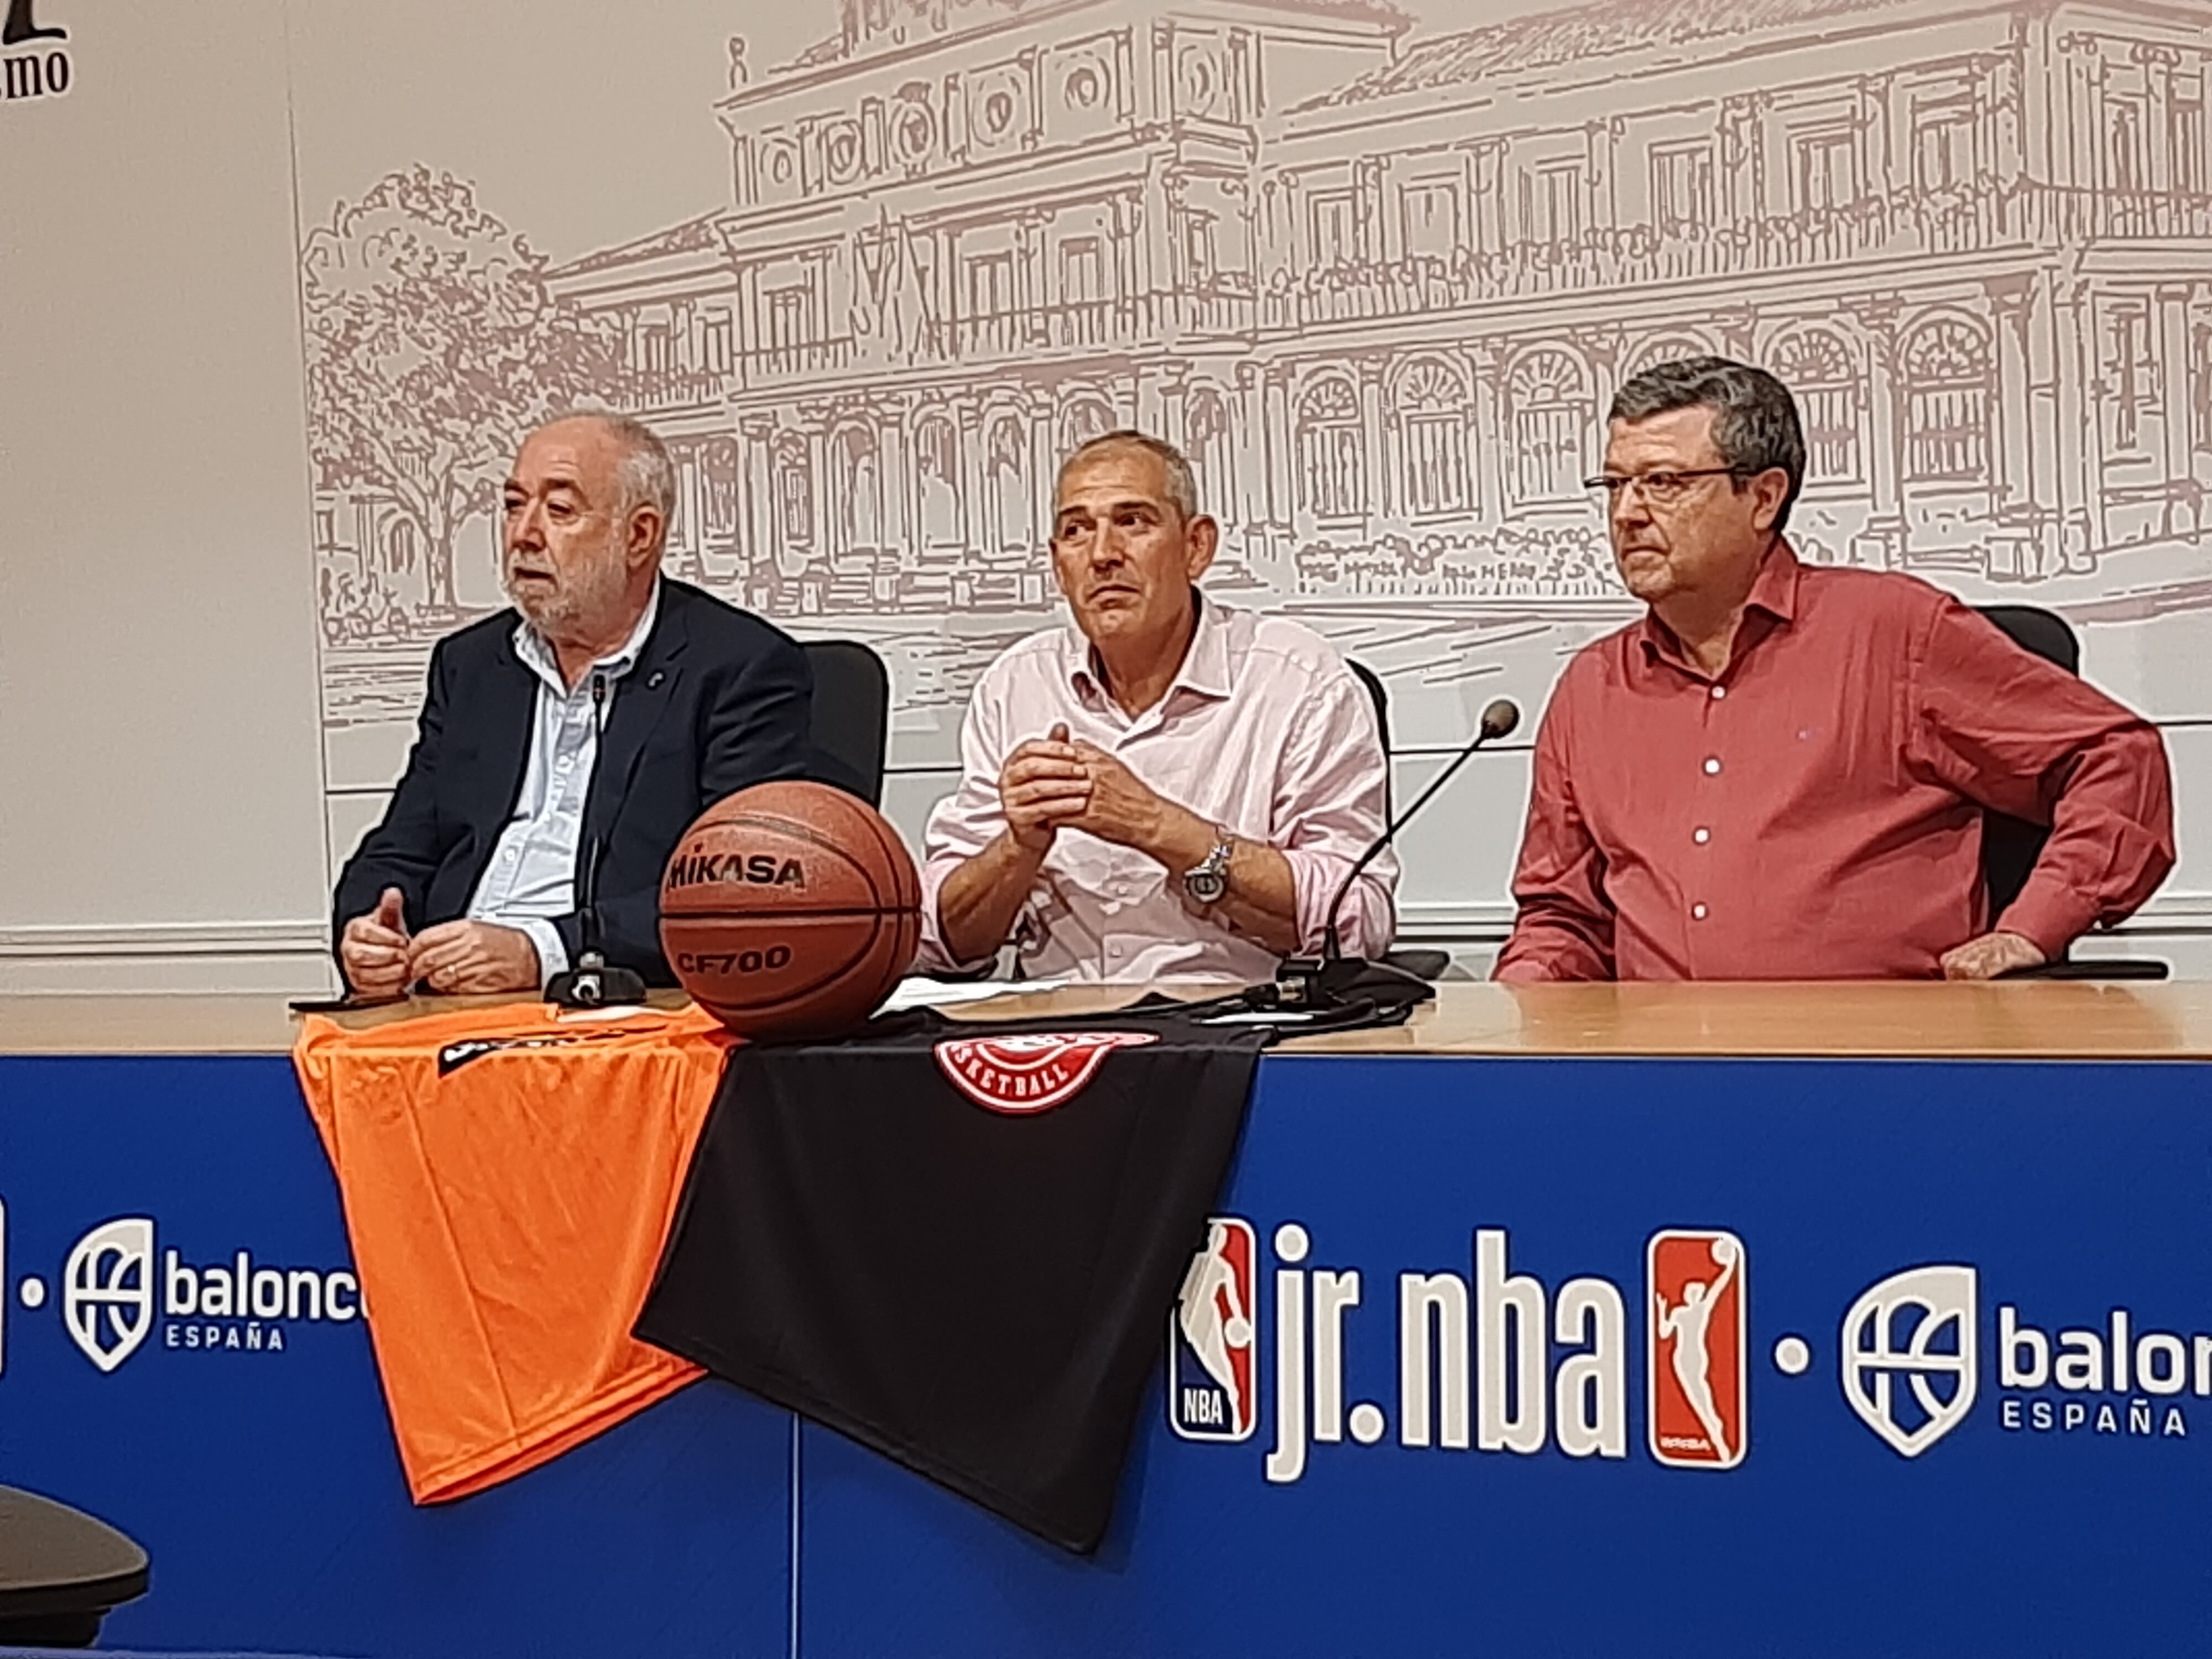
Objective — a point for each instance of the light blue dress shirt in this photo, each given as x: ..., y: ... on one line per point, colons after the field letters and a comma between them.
x: 532, y: 873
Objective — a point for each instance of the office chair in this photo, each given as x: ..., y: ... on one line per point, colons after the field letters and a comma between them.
x: 2011, y: 846
x: 850, y: 721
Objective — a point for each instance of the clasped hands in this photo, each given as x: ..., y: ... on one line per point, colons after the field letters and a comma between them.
x: 1055, y: 782
x: 382, y: 959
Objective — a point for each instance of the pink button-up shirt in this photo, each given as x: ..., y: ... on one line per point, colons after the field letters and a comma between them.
x: 1265, y: 731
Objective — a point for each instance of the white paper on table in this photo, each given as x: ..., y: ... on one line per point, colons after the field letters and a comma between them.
x: 918, y: 993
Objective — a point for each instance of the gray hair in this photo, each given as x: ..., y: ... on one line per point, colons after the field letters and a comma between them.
x: 1183, y: 483
x: 1755, y: 427
x: 645, y: 475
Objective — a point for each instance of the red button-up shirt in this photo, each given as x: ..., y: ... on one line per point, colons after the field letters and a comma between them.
x: 1815, y: 812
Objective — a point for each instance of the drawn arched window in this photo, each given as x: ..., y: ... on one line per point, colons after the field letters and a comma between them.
x: 718, y: 473
x: 1205, y: 441
x: 853, y: 462
x: 1005, y: 471
x: 794, y: 491
x: 937, y: 459
x: 1947, y: 378
x: 1550, y: 399
x: 2200, y: 385
x: 1332, y: 460
x: 1822, y: 373
x: 1430, y: 405
x: 1083, y: 418
x: 399, y: 546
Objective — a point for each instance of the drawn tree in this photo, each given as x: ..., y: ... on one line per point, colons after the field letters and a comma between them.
x: 432, y: 344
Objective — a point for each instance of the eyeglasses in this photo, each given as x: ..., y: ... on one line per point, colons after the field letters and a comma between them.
x: 1659, y: 489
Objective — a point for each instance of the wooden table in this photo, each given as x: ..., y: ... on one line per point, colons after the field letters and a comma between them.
x: 2031, y: 1019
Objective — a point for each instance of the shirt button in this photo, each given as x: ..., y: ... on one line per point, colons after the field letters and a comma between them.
x: 1712, y: 764
x: 1701, y: 835
x: 1719, y: 691
x: 1697, y: 912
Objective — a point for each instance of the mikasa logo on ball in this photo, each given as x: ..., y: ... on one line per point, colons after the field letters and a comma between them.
x: 762, y: 869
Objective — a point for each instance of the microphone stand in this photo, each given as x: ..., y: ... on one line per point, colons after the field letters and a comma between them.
x: 1333, y: 979
x: 592, y: 983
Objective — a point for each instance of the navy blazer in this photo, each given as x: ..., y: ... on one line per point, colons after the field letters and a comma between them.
x: 718, y: 700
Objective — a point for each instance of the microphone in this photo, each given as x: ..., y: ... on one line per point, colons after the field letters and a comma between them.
x: 1331, y: 978
x: 592, y: 983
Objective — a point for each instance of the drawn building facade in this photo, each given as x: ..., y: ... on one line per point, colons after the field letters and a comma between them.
x: 1379, y: 289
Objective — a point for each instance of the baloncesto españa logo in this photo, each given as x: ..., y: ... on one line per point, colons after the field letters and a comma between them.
x: 119, y: 1290
x: 1498, y: 1360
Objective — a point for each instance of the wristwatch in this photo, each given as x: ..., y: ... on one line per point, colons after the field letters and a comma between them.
x: 1208, y: 883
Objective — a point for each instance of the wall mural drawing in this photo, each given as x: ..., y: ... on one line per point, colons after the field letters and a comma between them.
x: 1377, y: 274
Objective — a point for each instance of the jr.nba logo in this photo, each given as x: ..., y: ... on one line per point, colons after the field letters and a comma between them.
x: 1700, y: 1417
x: 1212, y: 1378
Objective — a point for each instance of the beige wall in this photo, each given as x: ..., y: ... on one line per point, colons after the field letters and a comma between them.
x: 189, y: 735
x: 158, y: 732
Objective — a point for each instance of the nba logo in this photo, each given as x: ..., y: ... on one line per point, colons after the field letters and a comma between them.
x: 1212, y: 1384
x: 1699, y: 1411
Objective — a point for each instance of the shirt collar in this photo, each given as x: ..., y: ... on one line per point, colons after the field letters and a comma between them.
x: 1205, y: 668
x: 1773, y: 591
x: 533, y: 647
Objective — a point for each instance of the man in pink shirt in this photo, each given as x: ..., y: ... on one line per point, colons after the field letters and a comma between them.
x: 1170, y: 789
x: 1780, y: 772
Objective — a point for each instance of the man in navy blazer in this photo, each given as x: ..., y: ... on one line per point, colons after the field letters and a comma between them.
x: 592, y: 723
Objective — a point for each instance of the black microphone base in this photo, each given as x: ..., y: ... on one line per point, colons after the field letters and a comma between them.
x: 592, y: 984
x: 1319, y: 982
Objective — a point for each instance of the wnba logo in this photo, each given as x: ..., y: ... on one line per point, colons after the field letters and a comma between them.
x: 1699, y: 1410
x: 108, y: 1290
x: 1212, y: 1346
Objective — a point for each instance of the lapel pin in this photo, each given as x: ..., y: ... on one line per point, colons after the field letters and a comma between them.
x: 657, y: 677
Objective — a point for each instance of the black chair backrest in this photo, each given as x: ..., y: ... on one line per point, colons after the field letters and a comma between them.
x: 2011, y: 846
x: 2044, y: 632
x: 1380, y: 694
x: 851, y: 716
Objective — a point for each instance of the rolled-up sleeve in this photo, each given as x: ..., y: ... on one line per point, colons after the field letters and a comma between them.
x: 1331, y: 802
x: 964, y: 822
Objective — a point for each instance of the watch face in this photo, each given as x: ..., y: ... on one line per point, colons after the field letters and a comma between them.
x: 1206, y: 886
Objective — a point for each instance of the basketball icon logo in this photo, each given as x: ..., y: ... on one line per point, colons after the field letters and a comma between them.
x: 108, y: 1290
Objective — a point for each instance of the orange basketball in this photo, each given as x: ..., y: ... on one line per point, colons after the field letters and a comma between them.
x: 790, y: 910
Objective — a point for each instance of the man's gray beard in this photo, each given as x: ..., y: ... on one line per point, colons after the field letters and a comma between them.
x: 574, y: 610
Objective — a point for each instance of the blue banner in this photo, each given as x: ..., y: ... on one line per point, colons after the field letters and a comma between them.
x: 1561, y: 1357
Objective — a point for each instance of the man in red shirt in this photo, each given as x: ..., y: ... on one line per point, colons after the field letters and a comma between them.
x: 1780, y: 772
